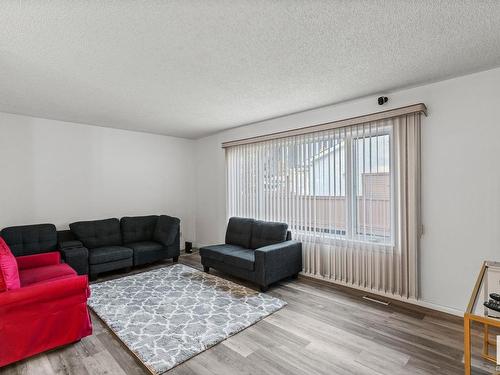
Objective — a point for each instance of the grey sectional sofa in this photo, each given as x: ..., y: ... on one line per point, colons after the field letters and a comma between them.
x: 92, y: 247
x: 120, y: 244
x: 258, y: 251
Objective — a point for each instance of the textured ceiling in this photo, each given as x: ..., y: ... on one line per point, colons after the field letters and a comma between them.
x: 191, y: 68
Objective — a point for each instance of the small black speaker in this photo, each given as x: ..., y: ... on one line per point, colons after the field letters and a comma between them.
x: 188, y: 247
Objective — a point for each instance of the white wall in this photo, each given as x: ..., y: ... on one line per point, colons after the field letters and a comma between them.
x: 461, y: 178
x: 59, y: 172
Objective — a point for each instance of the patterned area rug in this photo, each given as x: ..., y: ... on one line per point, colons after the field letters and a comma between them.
x: 169, y: 315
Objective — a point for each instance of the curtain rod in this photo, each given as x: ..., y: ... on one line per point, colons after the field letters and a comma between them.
x: 396, y: 112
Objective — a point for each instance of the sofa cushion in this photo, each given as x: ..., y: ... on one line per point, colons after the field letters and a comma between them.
x: 9, y: 274
x: 146, y: 246
x: 244, y: 258
x: 218, y: 252
x: 232, y: 255
x: 239, y: 231
x: 138, y: 228
x: 266, y: 233
x: 166, y: 229
x: 98, y: 233
x: 107, y: 254
x: 45, y: 273
x: 148, y: 252
x: 30, y: 239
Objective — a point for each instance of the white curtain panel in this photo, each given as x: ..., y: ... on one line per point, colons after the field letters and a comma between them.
x: 350, y: 194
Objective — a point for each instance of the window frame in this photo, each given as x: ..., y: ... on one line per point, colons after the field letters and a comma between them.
x: 271, y: 183
x: 351, y: 187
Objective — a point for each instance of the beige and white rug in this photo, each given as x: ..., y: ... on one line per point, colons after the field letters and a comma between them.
x: 169, y: 315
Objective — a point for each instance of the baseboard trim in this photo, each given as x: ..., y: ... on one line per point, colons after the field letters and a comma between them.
x: 414, y: 302
x: 440, y: 308
x: 393, y: 297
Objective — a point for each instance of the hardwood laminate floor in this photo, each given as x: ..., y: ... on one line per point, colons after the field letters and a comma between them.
x: 324, y: 329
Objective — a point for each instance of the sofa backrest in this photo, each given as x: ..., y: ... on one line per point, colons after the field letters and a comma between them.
x: 239, y: 231
x: 138, y: 228
x: 97, y: 233
x: 253, y: 234
x: 266, y: 233
x: 167, y: 230
x: 30, y: 239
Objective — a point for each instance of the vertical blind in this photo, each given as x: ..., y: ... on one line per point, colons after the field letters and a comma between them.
x: 350, y: 194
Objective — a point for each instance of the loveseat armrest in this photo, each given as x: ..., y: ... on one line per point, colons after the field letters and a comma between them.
x: 38, y: 260
x: 45, y: 292
x: 76, y: 256
x: 277, y: 261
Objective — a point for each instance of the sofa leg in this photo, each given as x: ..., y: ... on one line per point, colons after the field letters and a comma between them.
x: 92, y: 276
x: 127, y: 269
x: 264, y: 289
x: 206, y: 269
x: 295, y: 276
x: 175, y: 259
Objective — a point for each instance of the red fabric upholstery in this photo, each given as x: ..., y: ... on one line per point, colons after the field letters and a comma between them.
x: 38, y: 260
x: 9, y: 275
x: 43, y: 314
x: 35, y: 275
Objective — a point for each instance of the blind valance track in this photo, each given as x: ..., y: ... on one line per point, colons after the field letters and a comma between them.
x: 396, y: 112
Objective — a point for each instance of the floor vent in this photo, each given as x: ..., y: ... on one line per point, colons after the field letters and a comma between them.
x: 371, y: 299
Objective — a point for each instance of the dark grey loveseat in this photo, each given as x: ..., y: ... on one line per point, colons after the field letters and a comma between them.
x: 258, y: 251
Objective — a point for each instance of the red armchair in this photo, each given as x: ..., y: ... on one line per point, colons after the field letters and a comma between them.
x: 47, y: 311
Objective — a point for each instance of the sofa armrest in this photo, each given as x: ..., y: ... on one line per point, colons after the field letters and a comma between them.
x: 76, y: 256
x: 275, y: 262
x: 45, y: 291
x: 38, y: 260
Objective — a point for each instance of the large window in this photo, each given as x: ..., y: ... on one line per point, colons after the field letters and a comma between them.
x: 350, y: 194
x: 335, y: 183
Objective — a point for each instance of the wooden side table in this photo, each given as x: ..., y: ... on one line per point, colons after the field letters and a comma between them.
x: 488, y: 281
